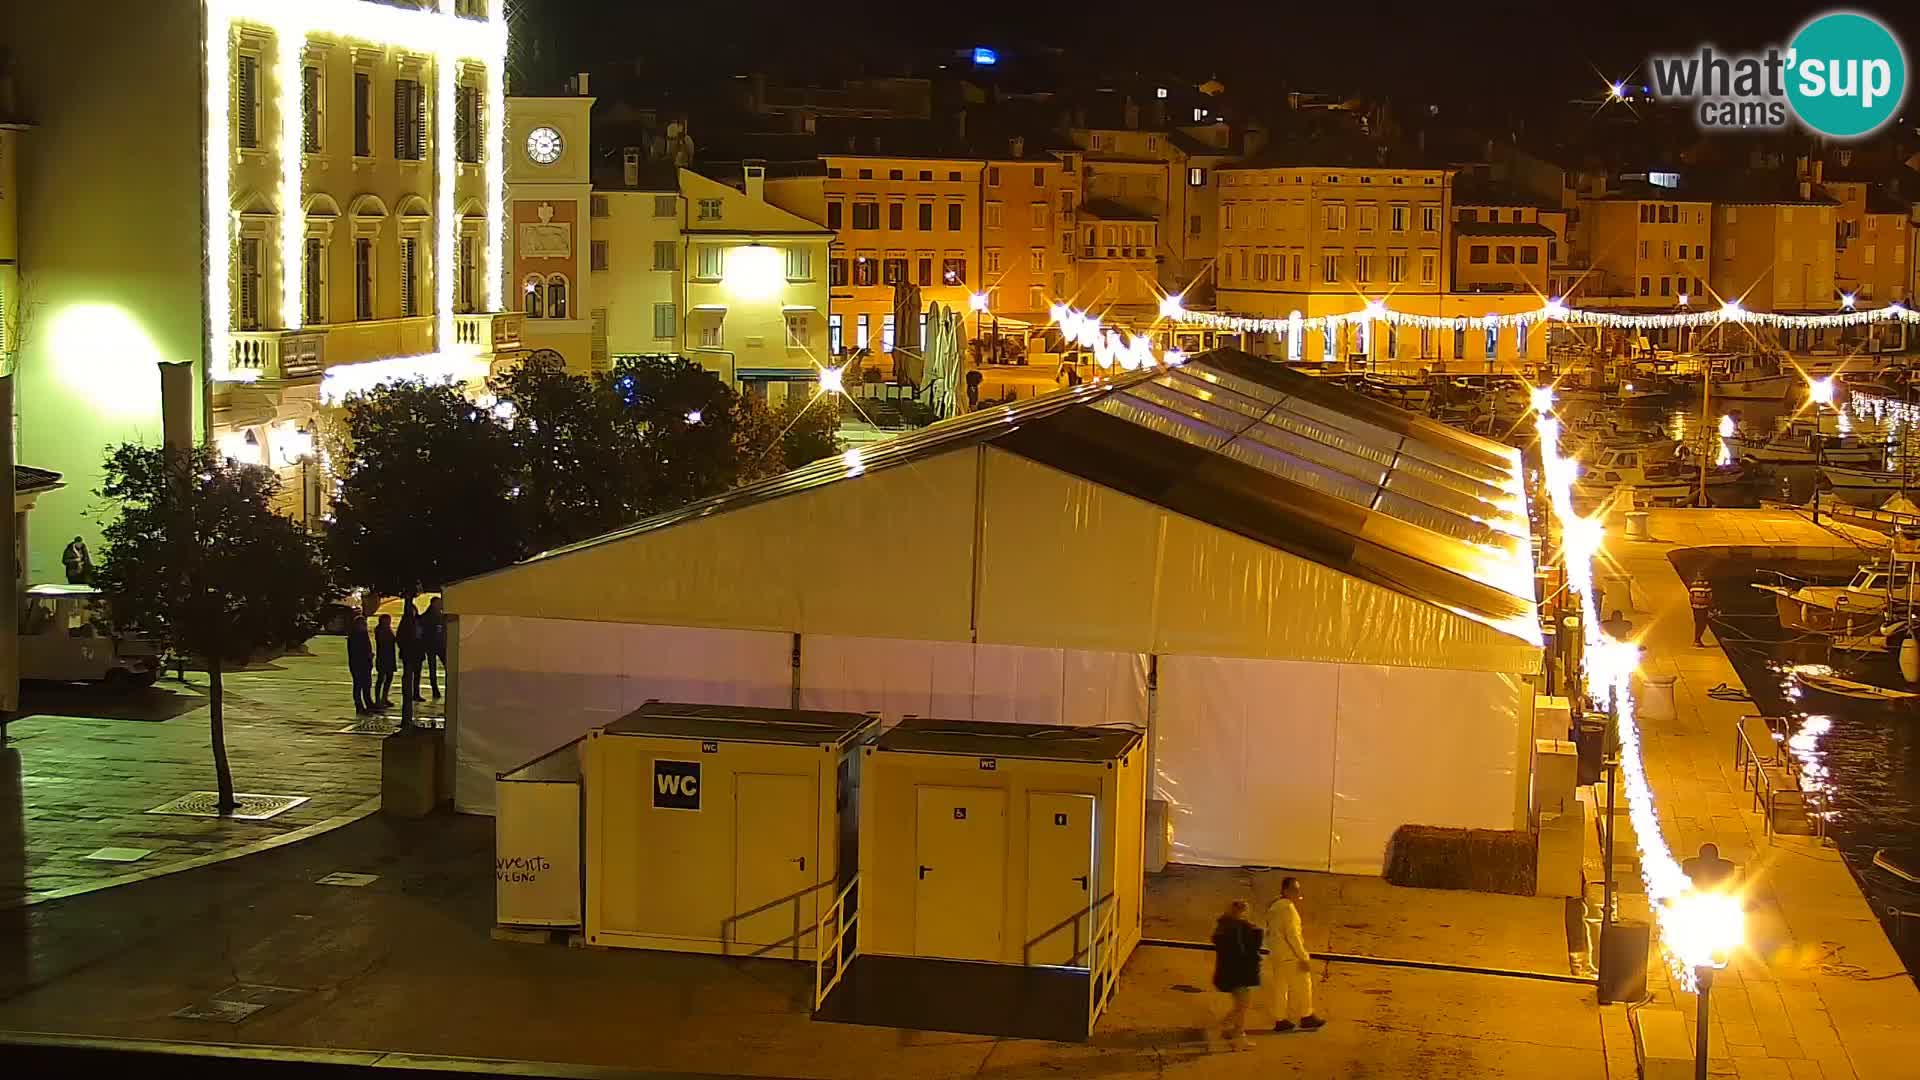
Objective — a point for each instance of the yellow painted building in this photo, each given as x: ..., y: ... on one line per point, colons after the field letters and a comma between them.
x: 550, y: 224
x: 1643, y: 247
x: 1028, y: 213
x: 1776, y: 254
x: 309, y: 207
x: 894, y: 220
x: 1872, y: 237
x: 1327, y: 239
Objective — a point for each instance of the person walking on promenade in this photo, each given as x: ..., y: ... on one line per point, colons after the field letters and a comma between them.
x: 1292, y: 963
x: 433, y: 635
x: 1236, y: 966
x: 360, y: 665
x: 387, y: 655
x: 1700, y: 598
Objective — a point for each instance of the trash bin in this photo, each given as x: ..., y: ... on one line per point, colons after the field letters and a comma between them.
x: 1653, y: 697
x: 1637, y: 525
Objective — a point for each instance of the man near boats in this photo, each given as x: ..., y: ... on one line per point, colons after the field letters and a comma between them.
x: 1700, y: 598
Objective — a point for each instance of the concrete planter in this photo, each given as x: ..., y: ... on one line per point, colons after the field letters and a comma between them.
x: 410, y: 772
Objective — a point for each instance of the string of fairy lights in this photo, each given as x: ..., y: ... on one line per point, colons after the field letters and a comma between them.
x: 1698, y: 928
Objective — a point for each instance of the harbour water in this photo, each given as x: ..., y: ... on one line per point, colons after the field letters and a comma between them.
x: 1870, y: 752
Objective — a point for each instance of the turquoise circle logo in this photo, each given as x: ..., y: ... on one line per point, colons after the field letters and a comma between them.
x: 1847, y: 74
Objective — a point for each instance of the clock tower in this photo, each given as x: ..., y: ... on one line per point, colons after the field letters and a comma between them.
x: 549, y: 222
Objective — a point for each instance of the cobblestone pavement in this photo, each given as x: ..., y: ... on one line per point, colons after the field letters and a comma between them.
x: 404, y: 962
x: 84, y: 765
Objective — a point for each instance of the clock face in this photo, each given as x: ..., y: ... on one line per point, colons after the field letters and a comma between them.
x: 544, y: 145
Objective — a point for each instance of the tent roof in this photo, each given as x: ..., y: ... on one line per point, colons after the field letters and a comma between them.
x: 1283, y: 459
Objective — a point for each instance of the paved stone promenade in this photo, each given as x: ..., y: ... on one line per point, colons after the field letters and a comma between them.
x: 85, y: 765
x: 1822, y: 993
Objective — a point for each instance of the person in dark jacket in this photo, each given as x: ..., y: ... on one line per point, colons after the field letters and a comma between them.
x: 387, y: 657
x: 360, y: 665
x: 413, y: 653
x: 433, y: 635
x: 1236, y: 965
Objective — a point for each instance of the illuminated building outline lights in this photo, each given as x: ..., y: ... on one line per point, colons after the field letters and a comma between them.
x: 442, y: 36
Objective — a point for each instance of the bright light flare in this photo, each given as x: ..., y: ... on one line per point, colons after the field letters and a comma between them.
x: 1703, y: 928
x: 977, y: 301
x: 1820, y: 391
x: 1171, y: 307
x: 753, y: 272
x: 833, y: 380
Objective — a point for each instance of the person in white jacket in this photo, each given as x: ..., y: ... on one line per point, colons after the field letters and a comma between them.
x: 1290, y: 964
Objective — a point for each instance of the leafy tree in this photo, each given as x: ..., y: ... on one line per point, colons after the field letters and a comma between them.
x: 577, y: 446
x: 427, y: 490
x: 199, y: 562
x: 685, y: 417
x: 770, y: 441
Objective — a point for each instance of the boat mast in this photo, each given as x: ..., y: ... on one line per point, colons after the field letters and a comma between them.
x: 1706, y: 425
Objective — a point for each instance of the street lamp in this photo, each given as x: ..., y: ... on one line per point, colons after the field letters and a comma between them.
x: 978, y: 303
x: 1819, y: 395
x: 1702, y: 930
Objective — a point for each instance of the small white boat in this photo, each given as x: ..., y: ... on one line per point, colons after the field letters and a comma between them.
x: 1862, y: 487
x: 1655, y: 475
x: 1858, y: 691
x: 1852, y: 609
x: 1404, y: 390
x: 1753, y: 387
x: 1800, y: 448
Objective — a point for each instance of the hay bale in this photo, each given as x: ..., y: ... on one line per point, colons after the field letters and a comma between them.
x: 1480, y: 860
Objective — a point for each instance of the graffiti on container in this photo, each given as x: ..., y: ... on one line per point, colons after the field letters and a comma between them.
x: 519, y: 869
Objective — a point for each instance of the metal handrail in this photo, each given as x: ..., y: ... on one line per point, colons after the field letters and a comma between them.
x: 835, y: 944
x: 1101, y: 953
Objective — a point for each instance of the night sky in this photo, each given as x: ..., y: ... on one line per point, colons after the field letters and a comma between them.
x: 1467, y: 54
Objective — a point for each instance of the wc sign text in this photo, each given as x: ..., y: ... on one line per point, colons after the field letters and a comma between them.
x: 676, y: 785
x: 1843, y: 75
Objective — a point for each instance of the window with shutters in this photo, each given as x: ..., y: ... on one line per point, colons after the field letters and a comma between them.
x: 663, y: 255
x: 363, y: 278
x: 249, y: 283
x: 712, y: 335
x: 709, y: 209
x: 836, y: 271
x: 993, y: 215
x: 712, y: 262
x: 866, y: 214
x: 466, y: 124
x: 246, y: 103
x: 597, y: 340
x: 599, y: 207
x: 362, y: 114
x: 926, y: 217
x: 664, y: 206
x: 953, y: 217
x: 557, y: 296
x: 799, y: 330
x: 664, y: 322
x: 468, y: 255
x: 1037, y: 260
x: 409, y: 276
x: 409, y: 120
x: 310, y: 104
x: 923, y: 271
x: 799, y: 264
x: 866, y: 269
x: 896, y: 215
x: 313, y: 281
x: 953, y: 270
x: 894, y: 270
x: 834, y: 215
x: 598, y: 254
x: 993, y: 260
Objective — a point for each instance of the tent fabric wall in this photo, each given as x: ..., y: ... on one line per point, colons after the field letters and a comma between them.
x: 528, y: 685
x: 1313, y: 766
x: 1244, y: 758
x: 1143, y: 579
x: 792, y: 564
x: 1005, y: 684
x: 1424, y: 747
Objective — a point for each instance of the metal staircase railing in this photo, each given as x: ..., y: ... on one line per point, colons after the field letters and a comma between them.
x: 1102, y: 952
x: 837, y: 942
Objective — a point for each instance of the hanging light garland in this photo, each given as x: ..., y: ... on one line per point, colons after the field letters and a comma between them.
x: 1551, y: 311
x: 1697, y: 928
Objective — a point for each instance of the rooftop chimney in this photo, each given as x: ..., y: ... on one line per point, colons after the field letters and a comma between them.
x: 630, y: 166
x: 1017, y: 147
x: 581, y: 82
x: 756, y: 186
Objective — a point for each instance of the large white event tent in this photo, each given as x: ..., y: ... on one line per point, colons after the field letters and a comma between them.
x: 1319, y: 607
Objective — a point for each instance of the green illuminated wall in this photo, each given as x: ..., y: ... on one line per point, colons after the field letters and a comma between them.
x: 110, y: 236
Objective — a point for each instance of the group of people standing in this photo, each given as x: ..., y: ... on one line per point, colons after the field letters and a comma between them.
x: 1244, y: 952
x: 419, y: 641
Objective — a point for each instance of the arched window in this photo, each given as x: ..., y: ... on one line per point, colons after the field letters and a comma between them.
x: 557, y: 297
x: 536, y: 297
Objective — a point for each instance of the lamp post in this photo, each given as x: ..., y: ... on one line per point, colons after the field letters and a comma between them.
x: 1703, y: 975
x: 1701, y: 928
x: 1820, y: 395
x: 978, y: 303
